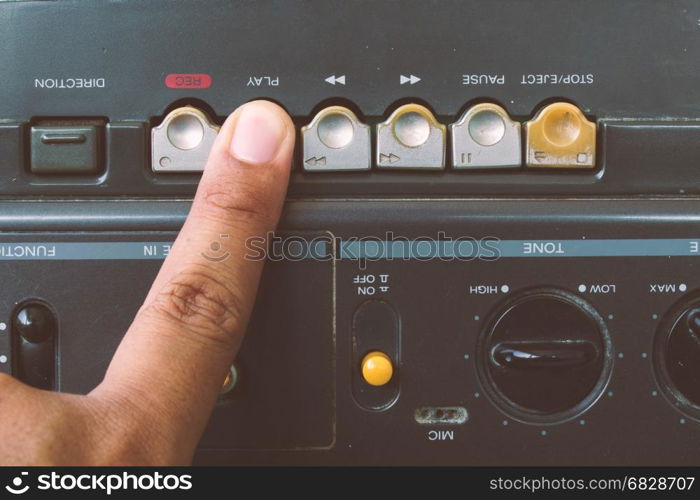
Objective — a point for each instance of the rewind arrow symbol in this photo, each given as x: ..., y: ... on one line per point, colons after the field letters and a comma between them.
x: 336, y: 79
x: 314, y: 161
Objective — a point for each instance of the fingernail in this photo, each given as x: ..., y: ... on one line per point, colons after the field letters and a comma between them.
x: 258, y: 134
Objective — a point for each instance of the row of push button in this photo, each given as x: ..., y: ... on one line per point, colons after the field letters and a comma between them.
x: 559, y: 136
x: 485, y: 137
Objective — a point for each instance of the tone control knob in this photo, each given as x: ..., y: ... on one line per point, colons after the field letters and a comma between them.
x: 677, y: 356
x: 545, y: 356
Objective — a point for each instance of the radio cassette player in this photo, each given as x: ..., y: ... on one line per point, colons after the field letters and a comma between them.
x: 493, y: 219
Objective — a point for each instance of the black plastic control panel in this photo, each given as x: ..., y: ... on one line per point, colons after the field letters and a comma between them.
x: 500, y: 201
x: 636, y: 84
x: 563, y: 332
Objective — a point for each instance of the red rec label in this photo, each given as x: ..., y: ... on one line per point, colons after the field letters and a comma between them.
x: 188, y: 81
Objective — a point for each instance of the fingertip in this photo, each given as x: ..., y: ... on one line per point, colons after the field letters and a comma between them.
x: 258, y: 133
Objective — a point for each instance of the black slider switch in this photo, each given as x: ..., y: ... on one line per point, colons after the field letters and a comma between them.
x: 34, y: 329
x: 66, y: 149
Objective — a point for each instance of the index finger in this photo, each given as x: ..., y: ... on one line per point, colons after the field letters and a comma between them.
x: 174, y: 357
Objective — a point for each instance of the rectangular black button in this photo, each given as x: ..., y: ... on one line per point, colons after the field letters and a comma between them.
x: 70, y: 149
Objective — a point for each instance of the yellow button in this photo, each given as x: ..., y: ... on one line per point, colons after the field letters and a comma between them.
x: 560, y: 136
x: 377, y: 369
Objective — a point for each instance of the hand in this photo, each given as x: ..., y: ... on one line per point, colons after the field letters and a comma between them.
x: 162, y: 384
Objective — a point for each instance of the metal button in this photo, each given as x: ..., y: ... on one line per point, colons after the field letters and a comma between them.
x: 486, y: 137
x: 181, y: 143
x: 412, y: 129
x: 185, y: 131
x: 411, y: 138
x: 487, y: 128
x: 335, y: 130
x: 336, y: 140
x: 560, y: 136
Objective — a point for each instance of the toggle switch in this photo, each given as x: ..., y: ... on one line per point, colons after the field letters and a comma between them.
x: 411, y: 138
x: 486, y: 137
x: 66, y: 147
x: 35, y: 329
x: 376, y: 355
x: 181, y: 143
x: 336, y: 140
x: 560, y: 136
x: 377, y: 368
